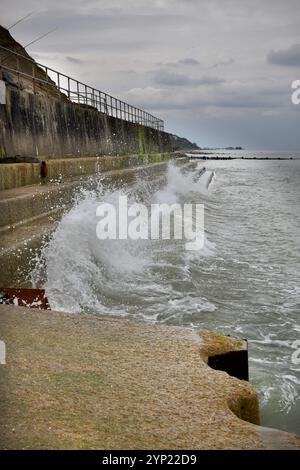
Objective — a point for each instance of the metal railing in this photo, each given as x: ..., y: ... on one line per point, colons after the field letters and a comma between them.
x: 45, y: 78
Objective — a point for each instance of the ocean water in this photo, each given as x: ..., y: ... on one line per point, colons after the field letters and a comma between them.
x: 244, y: 282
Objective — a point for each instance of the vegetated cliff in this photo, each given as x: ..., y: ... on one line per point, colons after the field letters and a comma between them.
x: 181, y: 143
x: 25, y: 64
x: 7, y: 41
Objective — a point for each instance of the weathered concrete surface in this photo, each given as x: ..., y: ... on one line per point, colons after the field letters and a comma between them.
x: 91, y: 382
x: 15, y: 175
x: 19, y: 250
x: 24, y: 202
x: 44, y: 127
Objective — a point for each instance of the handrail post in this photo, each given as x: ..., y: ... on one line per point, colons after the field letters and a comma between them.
x: 78, y: 97
x: 58, y: 83
x: 18, y: 69
x: 33, y: 78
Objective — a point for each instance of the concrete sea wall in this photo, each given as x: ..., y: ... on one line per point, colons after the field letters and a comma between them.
x: 46, y: 128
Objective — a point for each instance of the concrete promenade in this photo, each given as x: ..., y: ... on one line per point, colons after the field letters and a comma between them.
x: 93, y: 382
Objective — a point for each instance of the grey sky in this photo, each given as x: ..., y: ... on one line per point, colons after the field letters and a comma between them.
x: 217, y: 71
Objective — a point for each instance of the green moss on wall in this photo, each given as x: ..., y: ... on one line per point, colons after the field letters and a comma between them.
x: 141, y: 137
x: 153, y: 157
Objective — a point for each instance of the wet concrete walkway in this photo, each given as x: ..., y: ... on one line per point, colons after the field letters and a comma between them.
x: 87, y: 381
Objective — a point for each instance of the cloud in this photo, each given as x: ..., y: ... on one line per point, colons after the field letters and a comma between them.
x: 287, y: 57
x: 210, y: 81
x: 224, y: 62
x: 271, y: 112
x: 164, y: 77
x: 232, y: 96
x: 74, y: 60
x: 188, y: 61
x: 167, y: 78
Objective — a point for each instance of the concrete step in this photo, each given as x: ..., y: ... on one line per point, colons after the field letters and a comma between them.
x: 15, y: 175
x: 22, y: 205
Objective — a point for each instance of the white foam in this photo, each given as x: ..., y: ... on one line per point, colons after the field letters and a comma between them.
x: 115, y: 276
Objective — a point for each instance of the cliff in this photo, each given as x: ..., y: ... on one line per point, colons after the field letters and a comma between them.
x: 23, y: 63
x: 181, y: 143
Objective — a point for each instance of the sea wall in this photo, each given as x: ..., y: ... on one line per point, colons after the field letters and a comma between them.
x: 46, y: 128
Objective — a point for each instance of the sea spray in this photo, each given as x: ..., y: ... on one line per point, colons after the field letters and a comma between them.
x: 118, y: 277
